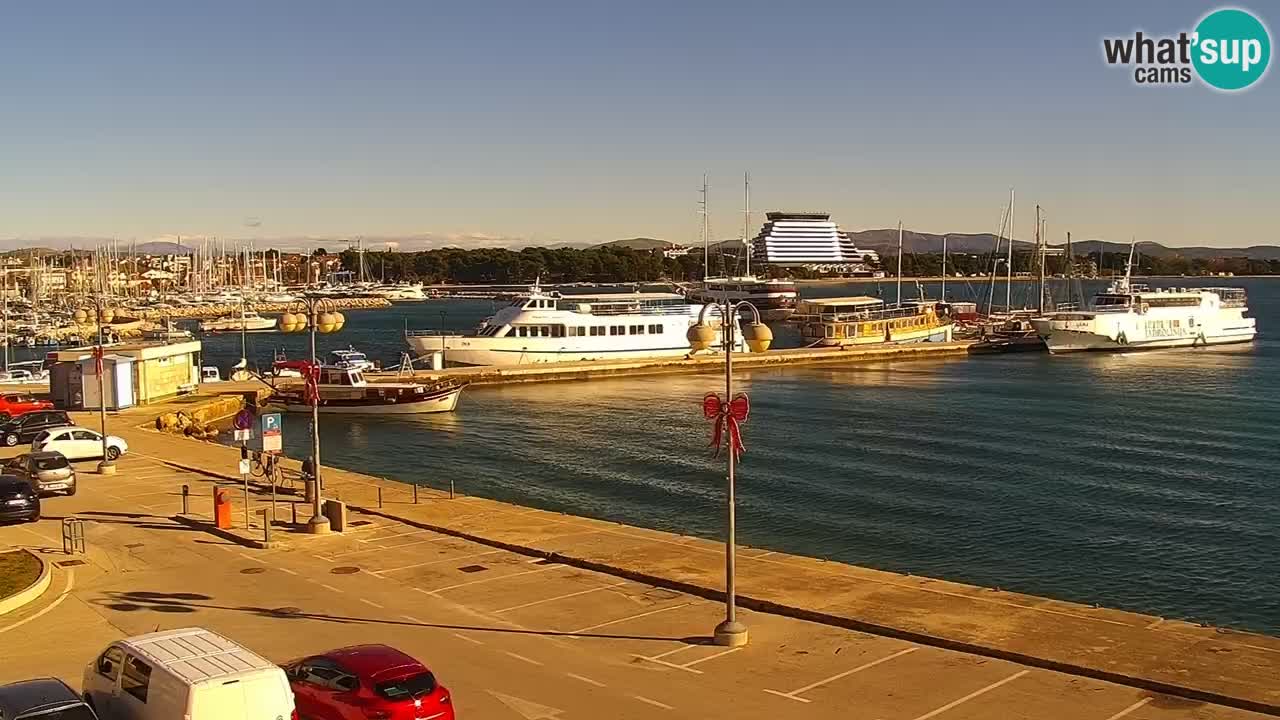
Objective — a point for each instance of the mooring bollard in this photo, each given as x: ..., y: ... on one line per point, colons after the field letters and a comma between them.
x: 266, y: 527
x: 379, y: 496
x: 186, y: 499
x: 450, y: 488
x: 294, y: 506
x: 415, y: 494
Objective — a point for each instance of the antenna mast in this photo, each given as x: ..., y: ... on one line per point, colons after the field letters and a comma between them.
x: 706, y: 231
x: 746, y: 218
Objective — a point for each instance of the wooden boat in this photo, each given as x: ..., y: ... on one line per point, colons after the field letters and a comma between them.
x: 345, y: 390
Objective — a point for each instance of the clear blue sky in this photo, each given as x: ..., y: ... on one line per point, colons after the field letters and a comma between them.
x: 581, y: 121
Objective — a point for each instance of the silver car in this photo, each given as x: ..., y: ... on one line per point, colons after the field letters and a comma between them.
x: 48, y: 472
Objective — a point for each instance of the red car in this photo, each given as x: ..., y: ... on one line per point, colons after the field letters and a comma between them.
x: 367, y: 682
x: 14, y: 404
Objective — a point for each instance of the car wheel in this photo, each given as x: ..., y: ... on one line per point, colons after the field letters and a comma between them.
x: 72, y: 490
x: 113, y: 452
x: 10, y: 440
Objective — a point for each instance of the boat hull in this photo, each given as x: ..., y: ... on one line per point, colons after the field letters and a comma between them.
x: 441, y: 402
x: 1068, y: 341
x: 476, y: 351
x: 902, y: 337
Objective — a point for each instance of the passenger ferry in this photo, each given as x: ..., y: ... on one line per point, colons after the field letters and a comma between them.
x: 350, y: 358
x: 862, y: 320
x: 546, y: 327
x: 775, y: 299
x: 1134, y: 317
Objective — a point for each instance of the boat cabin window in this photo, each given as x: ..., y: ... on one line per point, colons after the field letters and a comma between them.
x: 637, y: 329
x: 655, y: 329
x: 1111, y: 301
x: 597, y: 330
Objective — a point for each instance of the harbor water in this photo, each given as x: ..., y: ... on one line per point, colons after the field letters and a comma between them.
x: 1143, y: 481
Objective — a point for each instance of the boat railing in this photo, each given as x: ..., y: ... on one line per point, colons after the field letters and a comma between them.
x: 634, y: 309
x: 1230, y: 296
x: 864, y: 316
x: 432, y: 333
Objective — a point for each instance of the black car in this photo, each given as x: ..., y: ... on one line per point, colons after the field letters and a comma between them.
x: 25, y: 427
x: 18, y: 500
x: 45, y: 698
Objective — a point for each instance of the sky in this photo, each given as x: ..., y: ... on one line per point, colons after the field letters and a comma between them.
x: 489, y: 122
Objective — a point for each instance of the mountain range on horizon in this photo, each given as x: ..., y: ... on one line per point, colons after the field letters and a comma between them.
x: 883, y: 241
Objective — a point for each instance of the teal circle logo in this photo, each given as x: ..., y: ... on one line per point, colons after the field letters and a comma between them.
x: 1231, y: 49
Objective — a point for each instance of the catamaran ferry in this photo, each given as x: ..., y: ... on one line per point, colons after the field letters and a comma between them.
x: 546, y: 327
x: 1134, y: 317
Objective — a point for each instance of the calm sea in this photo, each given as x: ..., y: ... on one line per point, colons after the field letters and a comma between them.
x: 1145, y: 481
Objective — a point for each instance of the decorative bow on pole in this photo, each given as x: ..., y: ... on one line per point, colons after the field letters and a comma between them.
x: 312, y: 392
x: 728, y: 415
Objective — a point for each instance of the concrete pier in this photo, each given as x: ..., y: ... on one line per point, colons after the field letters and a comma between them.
x: 1169, y: 664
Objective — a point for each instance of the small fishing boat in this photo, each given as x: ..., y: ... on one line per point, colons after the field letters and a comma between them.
x: 246, y: 321
x: 345, y: 390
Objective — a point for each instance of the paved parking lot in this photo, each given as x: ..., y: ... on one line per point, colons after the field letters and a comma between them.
x: 514, y: 636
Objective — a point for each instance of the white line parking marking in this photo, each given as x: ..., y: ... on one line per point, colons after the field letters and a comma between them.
x: 370, y: 602
x: 285, y: 569
x: 973, y: 695
x: 375, y: 548
x: 586, y: 680
x: 597, y: 626
x: 710, y: 657
x: 671, y: 665
x: 330, y: 588
x: 252, y: 558
x: 468, y: 639
x: 390, y: 537
x: 795, y: 694
x: 520, y: 657
x: 559, y: 597
x: 654, y: 703
x: 431, y: 562
x: 488, y: 579
x: 412, y: 619
x: 1131, y: 708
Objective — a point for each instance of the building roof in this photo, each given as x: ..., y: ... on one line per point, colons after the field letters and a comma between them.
x: 132, y: 350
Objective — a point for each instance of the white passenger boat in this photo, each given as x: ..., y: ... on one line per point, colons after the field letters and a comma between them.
x: 350, y: 359
x: 862, y: 320
x: 247, y: 321
x: 775, y: 299
x: 1129, y: 316
x: 546, y: 327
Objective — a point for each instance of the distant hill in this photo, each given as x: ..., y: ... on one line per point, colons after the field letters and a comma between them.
x: 638, y: 243
x: 886, y: 241
x: 162, y: 248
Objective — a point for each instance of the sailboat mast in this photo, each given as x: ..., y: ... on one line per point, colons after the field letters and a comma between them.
x: 944, y: 269
x: 746, y: 218
x: 706, y: 240
x: 1040, y: 248
x: 899, y: 263
x: 1008, y: 283
x: 7, y: 337
x: 1071, y: 269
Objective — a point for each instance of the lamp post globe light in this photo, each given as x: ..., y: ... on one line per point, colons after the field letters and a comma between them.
x: 758, y: 337
x: 319, y: 315
x: 100, y: 315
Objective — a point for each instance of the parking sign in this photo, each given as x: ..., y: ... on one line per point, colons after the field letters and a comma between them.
x: 272, y: 429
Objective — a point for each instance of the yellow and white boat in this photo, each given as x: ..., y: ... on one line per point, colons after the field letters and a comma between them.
x: 862, y: 320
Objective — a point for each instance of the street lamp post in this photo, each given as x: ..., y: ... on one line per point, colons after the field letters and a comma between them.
x: 320, y: 315
x: 101, y: 315
x: 758, y: 336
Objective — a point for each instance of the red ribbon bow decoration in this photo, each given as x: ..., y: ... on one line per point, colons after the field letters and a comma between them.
x: 312, y: 386
x: 731, y: 415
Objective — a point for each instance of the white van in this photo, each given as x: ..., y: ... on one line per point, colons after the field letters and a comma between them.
x: 187, y: 674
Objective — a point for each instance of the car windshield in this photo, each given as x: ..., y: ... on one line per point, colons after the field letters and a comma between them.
x: 51, y: 462
x: 78, y: 712
x: 43, y: 436
x: 407, y: 687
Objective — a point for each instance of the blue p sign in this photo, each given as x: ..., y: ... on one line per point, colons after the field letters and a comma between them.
x: 271, y: 424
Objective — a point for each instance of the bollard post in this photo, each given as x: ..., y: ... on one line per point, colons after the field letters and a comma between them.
x: 450, y: 488
x: 186, y: 499
x: 379, y: 496
x: 415, y: 493
x: 266, y: 527
x: 273, y: 499
x: 294, y: 505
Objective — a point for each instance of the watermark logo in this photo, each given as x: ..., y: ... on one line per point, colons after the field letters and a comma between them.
x: 1229, y: 50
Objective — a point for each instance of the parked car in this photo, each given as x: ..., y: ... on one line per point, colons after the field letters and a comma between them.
x: 48, y: 472
x: 77, y: 443
x: 14, y: 404
x: 367, y: 681
x: 192, y: 673
x: 24, y: 428
x: 18, y: 500
x: 44, y: 698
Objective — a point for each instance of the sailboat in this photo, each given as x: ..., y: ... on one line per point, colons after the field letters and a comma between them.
x: 774, y: 298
